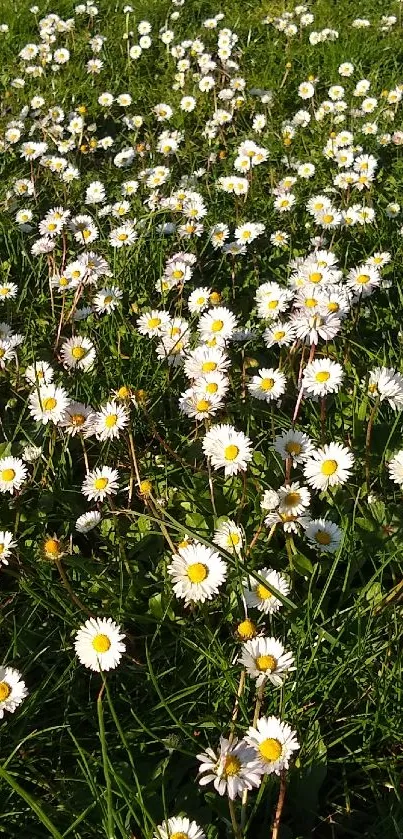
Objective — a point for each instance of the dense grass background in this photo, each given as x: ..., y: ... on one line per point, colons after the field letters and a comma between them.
x: 175, y: 691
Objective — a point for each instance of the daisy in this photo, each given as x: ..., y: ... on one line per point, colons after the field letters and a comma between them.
x: 259, y: 597
x: 109, y: 421
x: 232, y: 770
x: 279, y: 333
x: 13, y: 473
x: 153, y: 322
x: 197, y: 572
x: 204, y: 360
x: 212, y: 384
x: 76, y: 418
x: 266, y: 659
x: 218, y: 323
x: 100, y: 483
x: 324, y: 534
x: 229, y: 536
x: 48, y: 403
x: 386, y: 383
x: 329, y: 466
x: 227, y: 448
x: 7, y: 543
x: 78, y: 353
x: 40, y: 372
x: 12, y: 690
x: 199, y: 300
x: 179, y: 827
x: 322, y: 376
x: 125, y: 234
x: 363, y: 280
x: 7, y: 291
x: 293, y: 499
x: 107, y: 299
x: 87, y: 521
x: 267, y: 385
x: 199, y: 405
x: 294, y: 444
x: 274, y: 742
x: 99, y: 644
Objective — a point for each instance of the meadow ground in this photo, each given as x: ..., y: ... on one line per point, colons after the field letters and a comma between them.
x: 201, y: 248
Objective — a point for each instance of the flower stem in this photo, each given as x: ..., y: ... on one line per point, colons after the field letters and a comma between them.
x: 280, y: 805
x: 368, y: 441
x: 235, y: 826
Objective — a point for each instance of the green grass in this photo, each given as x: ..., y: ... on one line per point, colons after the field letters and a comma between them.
x: 83, y: 758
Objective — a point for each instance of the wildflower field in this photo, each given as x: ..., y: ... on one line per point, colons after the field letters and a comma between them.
x: 201, y: 445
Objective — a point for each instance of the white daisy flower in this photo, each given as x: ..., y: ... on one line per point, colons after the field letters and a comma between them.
x: 78, y: 353
x: 48, y: 404
x: 107, y: 299
x: 293, y: 499
x: 13, y: 473
x: 178, y: 827
x: 268, y: 385
x: 363, y: 280
x: 87, y: 521
x: 266, y: 659
x: 7, y: 543
x: 322, y: 376
x: 329, y: 466
x: 280, y: 333
x: 229, y: 536
x: 99, y: 644
x: 109, y: 421
x: 232, y: 769
x: 218, y: 323
x: 153, y: 323
x: 12, y: 690
x: 76, y: 418
x: 274, y: 742
x: 212, y: 384
x: 386, y: 383
x: 199, y: 300
x: 227, y: 448
x: 197, y: 572
x: 199, y: 405
x: 395, y: 468
x: 324, y: 534
x: 100, y: 483
x: 258, y: 596
x: 38, y: 373
x: 204, y: 360
x: 294, y: 444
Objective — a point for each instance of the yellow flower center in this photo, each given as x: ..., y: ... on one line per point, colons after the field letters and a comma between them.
x: 2, y: 546
x: 122, y: 237
x: 246, y: 630
x: 49, y: 403
x: 209, y: 366
x: 231, y: 452
x: 197, y: 572
x: 373, y: 388
x: 279, y: 335
x: 232, y: 765
x: 322, y: 376
x: 145, y: 487
x: 215, y: 297
x: 8, y: 475
x: 76, y: 274
x: 111, y: 420
x: 333, y: 307
x: 101, y: 643
x: 86, y: 234
x: 270, y: 749
x: 123, y: 392
x: 202, y: 405
x: 217, y: 325
x: 322, y: 537
x: 177, y: 274
x: 329, y: 467
x: 51, y: 547
x: 267, y: 384
x: 2, y: 353
x: 78, y: 353
x: 316, y: 276
x: 265, y: 663
x: 4, y: 291
x: 292, y: 498
x: 100, y: 483
x: 272, y: 304
x: 200, y: 301
x: 152, y: 323
x: 310, y: 302
x: 233, y: 539
x: 362, y: 279
x: 52, y: 226
x: 293, y: 448
x: 327, y: 218
x: 108, y: 299
x: 179, y: 835
x: 212, y: 387
x: 263, y: 593
x: 5, y: 691
x: 77, y: 419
